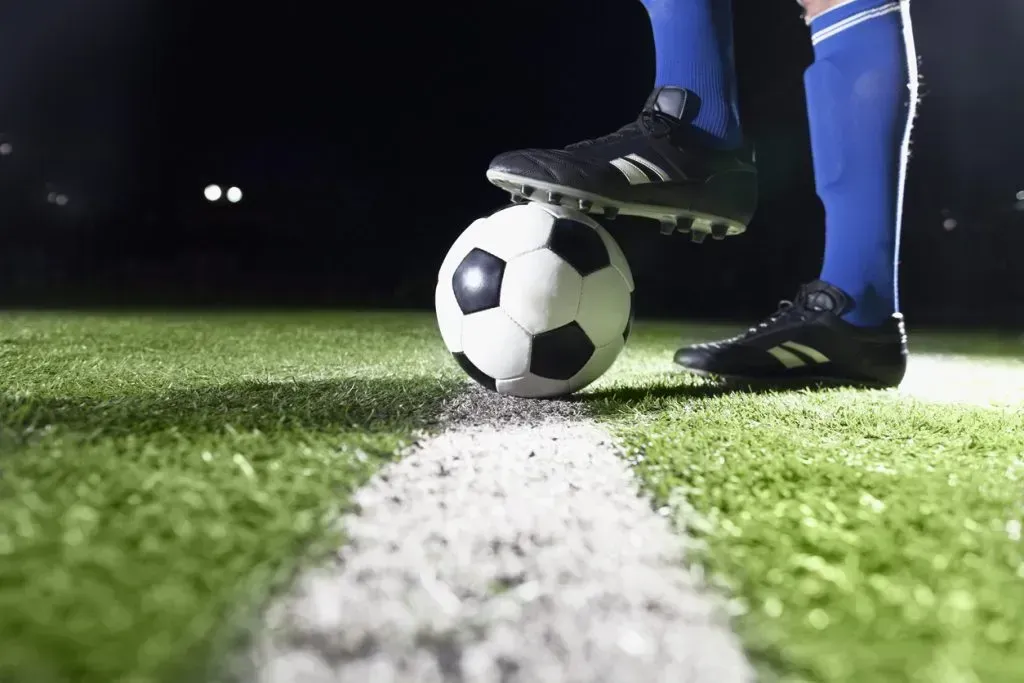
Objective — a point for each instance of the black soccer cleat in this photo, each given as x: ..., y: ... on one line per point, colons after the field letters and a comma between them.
x: 657, y: 167
x: 807, y: 343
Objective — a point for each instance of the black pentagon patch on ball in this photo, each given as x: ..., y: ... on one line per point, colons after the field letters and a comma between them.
x: 579, y: 245
x: 561, y: 353
x: 481, y: 377
x: 477, y: 281
x: 629, y: 323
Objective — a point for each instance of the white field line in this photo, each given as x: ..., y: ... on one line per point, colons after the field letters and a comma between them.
x: 513, y: 550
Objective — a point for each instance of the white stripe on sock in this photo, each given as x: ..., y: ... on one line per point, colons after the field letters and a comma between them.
x: 912, y: 85
x: 830, y: 9
x: 854, y: 20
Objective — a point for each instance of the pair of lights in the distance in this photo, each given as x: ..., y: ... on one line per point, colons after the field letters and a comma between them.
x: 213, y: 193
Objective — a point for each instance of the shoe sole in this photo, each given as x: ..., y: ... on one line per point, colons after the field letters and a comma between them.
x: 739, y: 381
x: 698, y: 225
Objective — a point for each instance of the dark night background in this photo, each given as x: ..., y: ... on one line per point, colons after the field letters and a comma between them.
x: 360, y: 137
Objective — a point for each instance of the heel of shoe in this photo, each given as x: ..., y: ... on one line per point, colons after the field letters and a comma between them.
x: 891, y: 372
x: 731, y: 194
x: 886, y: 363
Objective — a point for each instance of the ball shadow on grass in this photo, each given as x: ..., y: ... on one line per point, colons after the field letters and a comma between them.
x: 616, y: 400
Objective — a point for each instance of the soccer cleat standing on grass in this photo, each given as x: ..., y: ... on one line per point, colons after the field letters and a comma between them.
x: 657, y: 167
x: 806, y: 342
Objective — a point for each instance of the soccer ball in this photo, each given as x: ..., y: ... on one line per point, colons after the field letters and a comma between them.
x: 535, y: 300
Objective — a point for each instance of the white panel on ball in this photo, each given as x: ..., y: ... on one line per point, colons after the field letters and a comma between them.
x: 463, y: 244
x: 618, y: 259
x: 449, y: 316
x: 604, y: 306
x: 559, y: 211
x: 532, y: 386
x: 495, y: 344
x: 540, y: 291
x: 602, y: 360
x: 514, y: 231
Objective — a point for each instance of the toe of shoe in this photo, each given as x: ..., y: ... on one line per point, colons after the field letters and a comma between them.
x: 527, y: 163
x: 544, y: 165
x: 693, y: 357
x: 717, y: 358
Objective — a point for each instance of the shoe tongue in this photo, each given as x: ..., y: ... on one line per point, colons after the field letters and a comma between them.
x: 678, y: 103
x: 821, y: 296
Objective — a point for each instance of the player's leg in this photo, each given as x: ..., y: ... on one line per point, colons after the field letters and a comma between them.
x: 862, y: 96
x: 693, y: 49
x: 682, y: 161
x: 859, y: 156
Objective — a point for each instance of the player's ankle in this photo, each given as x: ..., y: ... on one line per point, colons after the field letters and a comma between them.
x: 730, y: 140
x: 871, y: 304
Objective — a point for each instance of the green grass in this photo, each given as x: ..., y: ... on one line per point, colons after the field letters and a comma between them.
x: 159, y: 475
x: 862, y: 536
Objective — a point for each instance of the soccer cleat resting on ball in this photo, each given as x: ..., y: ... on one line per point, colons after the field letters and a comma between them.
x: 657, y: 167
x: 806, y: 343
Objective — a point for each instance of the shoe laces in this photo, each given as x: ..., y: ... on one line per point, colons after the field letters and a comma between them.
x: 786, y: 309
x: 649, y: 122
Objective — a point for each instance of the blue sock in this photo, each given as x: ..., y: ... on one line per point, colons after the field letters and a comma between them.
x: 861, y: 109
x: 693, y: 50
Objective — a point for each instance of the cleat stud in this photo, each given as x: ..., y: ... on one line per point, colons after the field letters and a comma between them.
x: 526, y: 190
x: 611, y: 212
x: 701, y: 224
x: 719, y: 231
x: 668, y: 226
x: 555, y: 197
x: 684, y: 225
x: 697, y: 236
x: 585, y: 205
x: 518, y: 198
